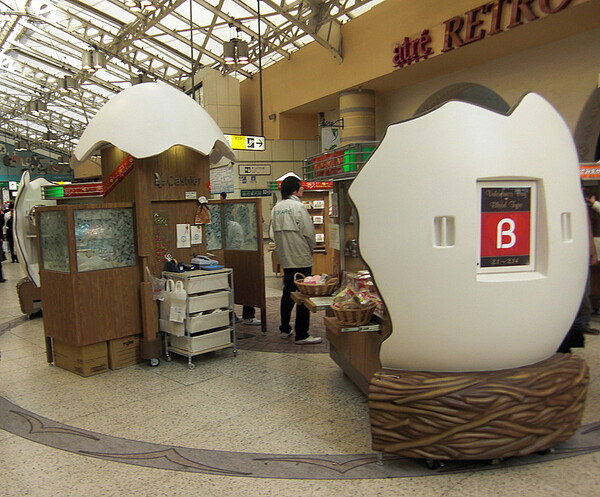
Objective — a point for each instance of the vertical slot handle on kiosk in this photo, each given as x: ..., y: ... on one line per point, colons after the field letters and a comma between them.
x: 443, y: 231
x: 566, y: 228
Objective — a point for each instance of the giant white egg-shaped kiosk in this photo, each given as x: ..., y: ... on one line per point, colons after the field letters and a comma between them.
x: 474, y: 227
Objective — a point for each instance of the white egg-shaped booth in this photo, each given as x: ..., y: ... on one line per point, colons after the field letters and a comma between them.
x: 482, y: 258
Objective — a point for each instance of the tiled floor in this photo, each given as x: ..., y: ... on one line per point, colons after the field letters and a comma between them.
x: 259, y: 424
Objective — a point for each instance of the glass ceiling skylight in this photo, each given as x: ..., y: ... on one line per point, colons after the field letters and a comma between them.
x: 42, y: 41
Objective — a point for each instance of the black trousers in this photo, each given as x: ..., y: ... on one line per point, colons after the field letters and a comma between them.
x: 11, y: 245
x: 302, y: 322
x: 248, y: 312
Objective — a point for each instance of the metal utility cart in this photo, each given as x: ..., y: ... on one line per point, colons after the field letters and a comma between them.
x: 209, y: 322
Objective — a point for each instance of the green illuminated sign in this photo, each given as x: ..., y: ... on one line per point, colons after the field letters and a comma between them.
x: 257, y: 192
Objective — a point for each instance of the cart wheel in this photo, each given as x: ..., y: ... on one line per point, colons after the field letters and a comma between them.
x: 191, y: 365
x: 434, y: 463
x: 155, y: 361
x: 234, y: 352
x: 168, y: 358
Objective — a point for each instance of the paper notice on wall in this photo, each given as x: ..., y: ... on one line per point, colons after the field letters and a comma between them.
x: 334, y: 236
x: 183, y: 236
x: 196, y: 234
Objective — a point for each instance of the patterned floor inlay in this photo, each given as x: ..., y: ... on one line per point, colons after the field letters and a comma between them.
x: 13, y: 323
x: 25, y: 424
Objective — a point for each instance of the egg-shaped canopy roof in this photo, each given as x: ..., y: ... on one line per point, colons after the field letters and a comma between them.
x: 149, y: 118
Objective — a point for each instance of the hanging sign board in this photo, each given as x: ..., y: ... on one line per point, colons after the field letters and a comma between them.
x: 590, y: 170
x: 254, y: 169
x: 243, y: 142
x: 507, y: 227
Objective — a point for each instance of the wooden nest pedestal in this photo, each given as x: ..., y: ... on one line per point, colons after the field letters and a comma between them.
x: 478, y: 415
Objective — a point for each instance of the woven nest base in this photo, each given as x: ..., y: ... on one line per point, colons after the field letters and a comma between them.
x: 478, y: 415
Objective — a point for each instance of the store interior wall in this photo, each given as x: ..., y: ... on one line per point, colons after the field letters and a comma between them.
x: 221, y: 99
x: 283, y: 156
x: 311, y: 80
x: 565, y: 80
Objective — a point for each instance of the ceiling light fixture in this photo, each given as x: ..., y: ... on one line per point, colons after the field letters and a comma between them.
x: 98, y: 60
x: 140, y: 5
x: 66, y: 84
x: 87, y: 63
x: 235, y: 51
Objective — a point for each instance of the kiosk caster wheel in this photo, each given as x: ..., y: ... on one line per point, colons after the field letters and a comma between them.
x: 154, y: 362
x: 434, y: 463
x: 169, y: 358
x: 191, y: 365
x: 545, y: 452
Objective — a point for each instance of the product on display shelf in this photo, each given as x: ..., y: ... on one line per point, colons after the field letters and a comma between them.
x: 316, y: 285
x: 358, y: 289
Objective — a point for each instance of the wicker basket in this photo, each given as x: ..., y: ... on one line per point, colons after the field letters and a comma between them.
x: 313, y: 290
x: 348, y: 315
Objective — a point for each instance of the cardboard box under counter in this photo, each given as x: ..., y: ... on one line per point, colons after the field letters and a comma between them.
x: 123, y: 352
x: 85, y: 360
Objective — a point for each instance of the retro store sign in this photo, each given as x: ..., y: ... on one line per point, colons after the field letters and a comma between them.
x: 481, y: 22
x: 507, y: 227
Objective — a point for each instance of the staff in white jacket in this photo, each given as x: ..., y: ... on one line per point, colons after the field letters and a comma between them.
x: 294, y: 235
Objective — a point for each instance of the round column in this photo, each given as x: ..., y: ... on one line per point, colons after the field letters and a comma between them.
x: 357, y: 108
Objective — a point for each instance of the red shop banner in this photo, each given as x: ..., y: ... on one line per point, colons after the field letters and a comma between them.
x: 118, y: 175
x: 86, y: 190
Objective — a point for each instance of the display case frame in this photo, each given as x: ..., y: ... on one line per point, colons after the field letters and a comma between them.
x: 81, y: 308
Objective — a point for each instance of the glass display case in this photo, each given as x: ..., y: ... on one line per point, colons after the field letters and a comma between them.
x: 236, y: 223
x: 240, y: 227
x: 53, y: 241
x: 213, y: 230
x: 89, y: 264
x: 104, y: 238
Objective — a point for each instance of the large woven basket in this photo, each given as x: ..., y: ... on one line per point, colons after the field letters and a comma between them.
x: 348, y: 315
x: 313, y: 290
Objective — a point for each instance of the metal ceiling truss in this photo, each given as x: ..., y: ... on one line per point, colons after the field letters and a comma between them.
x: 42, y: 42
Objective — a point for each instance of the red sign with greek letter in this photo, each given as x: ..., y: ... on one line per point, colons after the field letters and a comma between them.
x: 505, y: 227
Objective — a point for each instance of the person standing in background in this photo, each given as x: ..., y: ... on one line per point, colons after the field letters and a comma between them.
x: 7, y: 231
x: 293, y: 232
x: 2, y: 256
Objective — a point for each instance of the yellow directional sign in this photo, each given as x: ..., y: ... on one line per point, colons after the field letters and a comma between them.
x: 243, y: 142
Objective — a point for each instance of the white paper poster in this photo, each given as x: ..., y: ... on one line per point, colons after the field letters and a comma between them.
x: 334, y: 236
x: 183, y: 236
x: 196, y: 233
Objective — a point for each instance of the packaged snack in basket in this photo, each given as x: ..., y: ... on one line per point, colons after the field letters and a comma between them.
x: 317, y: 279
x: 344, y: 294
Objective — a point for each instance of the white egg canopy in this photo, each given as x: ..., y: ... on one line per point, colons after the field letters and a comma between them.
x: 148, y: 119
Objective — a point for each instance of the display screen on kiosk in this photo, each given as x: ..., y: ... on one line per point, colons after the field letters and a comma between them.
x: 507, y: 234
